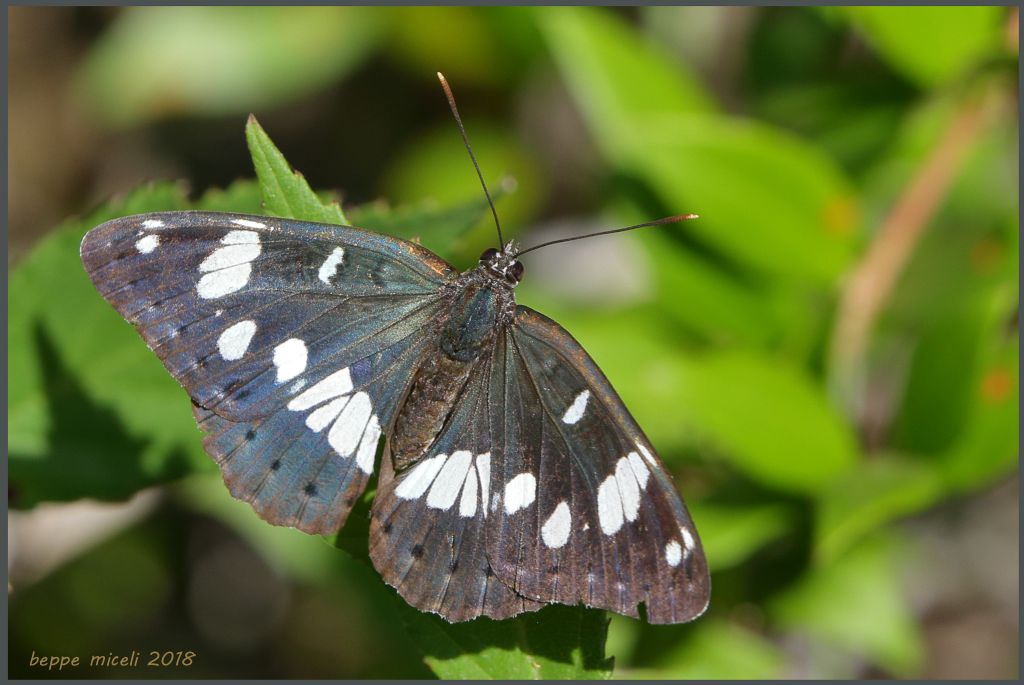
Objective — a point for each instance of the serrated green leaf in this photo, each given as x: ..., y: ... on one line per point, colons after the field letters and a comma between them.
x: 557, y: 642
x: 285, y: 192
x: 448, y: 231
x: 91, y: 412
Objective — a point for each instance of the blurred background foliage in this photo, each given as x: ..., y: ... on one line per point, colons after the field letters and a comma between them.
x: 827, y: 359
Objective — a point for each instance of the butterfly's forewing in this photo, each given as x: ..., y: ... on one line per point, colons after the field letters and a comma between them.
x: 294, y: 340
x: 583, y: 511
x: 429, y: 523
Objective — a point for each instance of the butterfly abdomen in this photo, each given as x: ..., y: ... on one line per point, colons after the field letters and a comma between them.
x: 477, y: 310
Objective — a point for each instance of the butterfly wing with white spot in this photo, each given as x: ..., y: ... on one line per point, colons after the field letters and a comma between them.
x: 242, y: 310
x: 583, y: 510
x: 295, y: 341
x: 427, y: 530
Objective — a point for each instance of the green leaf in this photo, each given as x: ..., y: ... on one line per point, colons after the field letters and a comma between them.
x: 91, y: 412
x: 766, y: 198
x: 242, y: 197
x: 930, y: 45
x: 285, y: 192
x: 768, y: 418
x: 557, y: 642
x: 858, y: 604
x: 880, y: 490
x: 731, y: 534
x: 451, y: 232
x: 157, y: 62
x: 435, y: 168
x: 616, y: 76
x: 718, y: 650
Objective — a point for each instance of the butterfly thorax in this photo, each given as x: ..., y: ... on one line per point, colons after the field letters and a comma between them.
x: 480, y: 303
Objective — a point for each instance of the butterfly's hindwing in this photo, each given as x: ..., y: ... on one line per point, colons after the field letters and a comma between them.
x: 294, y: 340
x: 428, y: 526
x: 585, y: 512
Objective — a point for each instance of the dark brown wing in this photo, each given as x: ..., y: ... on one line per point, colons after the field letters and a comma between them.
x: 584, y: 511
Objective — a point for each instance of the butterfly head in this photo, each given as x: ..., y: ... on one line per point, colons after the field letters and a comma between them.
x: 502, y: 264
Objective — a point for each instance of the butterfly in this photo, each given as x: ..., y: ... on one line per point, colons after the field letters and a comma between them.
x: 511, y: 475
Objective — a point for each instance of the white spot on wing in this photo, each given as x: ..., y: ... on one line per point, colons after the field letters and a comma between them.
x: 575, y: 411
x: 224, y: 282
x: 368, y: 445
x: 467, y: 504
x: 248, y: 223
x: 639, y: 469
x: 152, y: 223
x: 449, y: 481
x: 348, y: 429
x: 330, y: 266
x: 230, y: 255
x: 147, y: 244
x: 629, y: 490
x: 688, y: 540
x: 235, y: 339
x: 555, y: 531
x: 420, y: 478
x: 322, y: 417
x: 290, y: 358
x: 609, y: 506
x: 483, y: 469
x: 520, y: 492
x: 673, y: 553
x: 647, y: 455
x: 338, y: 383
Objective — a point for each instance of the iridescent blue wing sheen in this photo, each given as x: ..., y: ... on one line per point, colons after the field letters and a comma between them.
x: 583, y: 510
x: 293, y: 339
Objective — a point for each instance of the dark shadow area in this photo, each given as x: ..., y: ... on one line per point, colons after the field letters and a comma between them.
x: 89, y: 452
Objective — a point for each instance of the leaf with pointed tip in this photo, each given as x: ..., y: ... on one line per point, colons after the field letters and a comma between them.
x: 285, y: 192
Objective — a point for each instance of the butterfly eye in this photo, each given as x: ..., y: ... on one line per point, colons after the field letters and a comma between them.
x: 516, y: 271
x: 489, y: 254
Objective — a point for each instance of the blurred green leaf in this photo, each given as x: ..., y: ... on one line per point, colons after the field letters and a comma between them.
x: 718, y: 650
x: 930, y: 45
x: 989, y: 446
x: 618, y: 78
x: 242, y: 196
x: 91, y: 412
x: 857, y: 603
x: 558, y: 642
x: 768, y: 418
x: 730, y: 534
x: 766, y: 198
x: 881, y: 489
x: 448, y: 231
x: 435, y: 168
x: 285, y: 192
x: 159, y: 61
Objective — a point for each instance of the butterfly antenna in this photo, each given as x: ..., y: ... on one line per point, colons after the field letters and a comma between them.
x: 462, y: 130
x: 658, y: 222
